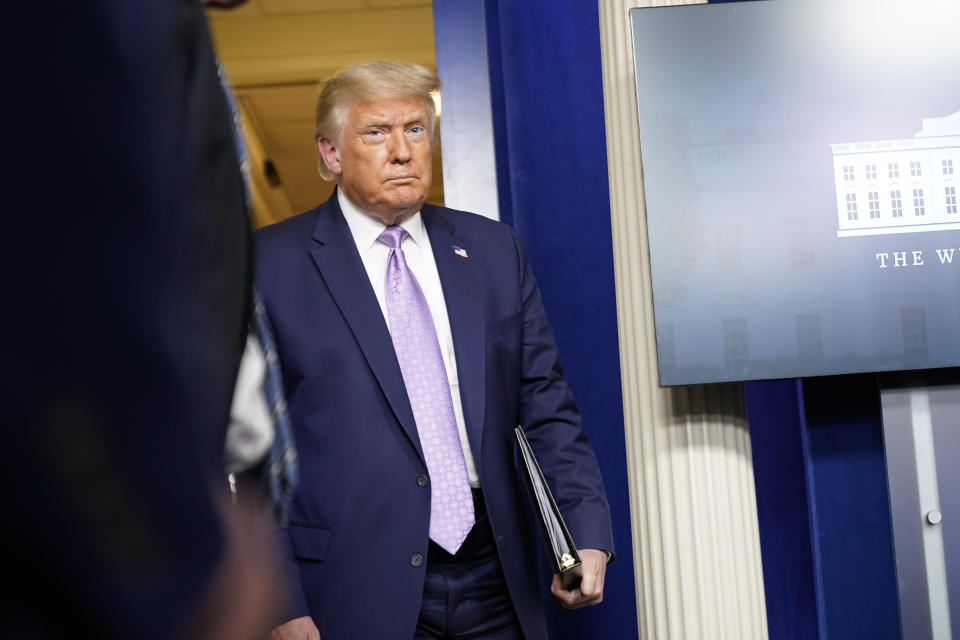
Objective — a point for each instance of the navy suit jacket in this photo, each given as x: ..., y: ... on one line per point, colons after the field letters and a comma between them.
x: 360, y: 521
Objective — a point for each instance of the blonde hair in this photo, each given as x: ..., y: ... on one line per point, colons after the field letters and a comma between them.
x: 370, y: 80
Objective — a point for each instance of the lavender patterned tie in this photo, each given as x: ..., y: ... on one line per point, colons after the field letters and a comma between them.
x: 418, y: 351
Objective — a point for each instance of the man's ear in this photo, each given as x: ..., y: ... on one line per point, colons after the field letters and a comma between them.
x: 331, y: 156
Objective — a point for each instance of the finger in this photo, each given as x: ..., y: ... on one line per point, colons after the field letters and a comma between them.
x: 589, y: 593
x: 586, y: 601
x: 587, y: 583
x: 595, y: 597
x: 578, y: 602
x: 568, y: 599
x: 556, y: 587
x: 598, y: 585
x: 592, y: 584
x: 594, y: 568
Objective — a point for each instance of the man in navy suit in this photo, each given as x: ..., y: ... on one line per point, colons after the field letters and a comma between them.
x: 401, y: 325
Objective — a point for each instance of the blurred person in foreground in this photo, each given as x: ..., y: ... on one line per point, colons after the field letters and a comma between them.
x: 129, y: 288
x: 413, y: 340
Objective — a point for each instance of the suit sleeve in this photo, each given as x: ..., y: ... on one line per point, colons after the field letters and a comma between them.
x: 551, y: 420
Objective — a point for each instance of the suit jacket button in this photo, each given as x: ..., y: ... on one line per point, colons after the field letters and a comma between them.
x: 416, y: 559
x: 422, y: 481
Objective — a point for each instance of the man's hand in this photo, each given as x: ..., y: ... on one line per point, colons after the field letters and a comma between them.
x: 590, y: 592
x: 297, y: 629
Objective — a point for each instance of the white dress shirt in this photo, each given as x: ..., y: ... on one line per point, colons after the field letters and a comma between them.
x: 416, y: 249
x: 250, y: 432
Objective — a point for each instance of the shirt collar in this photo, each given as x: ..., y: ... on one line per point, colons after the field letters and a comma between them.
x: 365, y: 228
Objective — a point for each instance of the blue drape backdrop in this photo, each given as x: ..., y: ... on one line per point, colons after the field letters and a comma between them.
x: 548, y: 116
x: 547, y: 100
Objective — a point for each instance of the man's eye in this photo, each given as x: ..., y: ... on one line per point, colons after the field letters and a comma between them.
x: 417, y: 129
x: 374, y: 133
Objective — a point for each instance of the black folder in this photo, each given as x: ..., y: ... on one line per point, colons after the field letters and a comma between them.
x: 561, y: 551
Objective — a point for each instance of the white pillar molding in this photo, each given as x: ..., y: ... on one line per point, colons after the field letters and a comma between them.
x: 693, y: 505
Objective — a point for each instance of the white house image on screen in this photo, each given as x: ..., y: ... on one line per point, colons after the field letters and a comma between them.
x: 899, y: 186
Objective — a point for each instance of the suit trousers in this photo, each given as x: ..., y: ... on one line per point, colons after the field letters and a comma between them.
x: 465, y: 595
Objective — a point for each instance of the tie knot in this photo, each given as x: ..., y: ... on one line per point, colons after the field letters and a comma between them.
x: 393, y: 236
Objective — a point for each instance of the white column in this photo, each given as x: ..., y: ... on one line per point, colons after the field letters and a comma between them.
x: 693, y: 507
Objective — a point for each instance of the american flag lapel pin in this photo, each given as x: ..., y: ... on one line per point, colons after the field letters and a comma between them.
x: 460, y: 251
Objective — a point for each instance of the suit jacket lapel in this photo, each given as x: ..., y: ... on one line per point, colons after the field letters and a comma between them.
x: 342, y: 270
x: 460, y: 282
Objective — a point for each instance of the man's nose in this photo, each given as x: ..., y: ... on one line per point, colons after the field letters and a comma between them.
x: 399, y: 147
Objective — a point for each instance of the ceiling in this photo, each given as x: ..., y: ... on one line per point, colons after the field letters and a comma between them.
x: 275, y: 52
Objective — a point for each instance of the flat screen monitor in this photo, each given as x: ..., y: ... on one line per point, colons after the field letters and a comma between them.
x: 800, y: 169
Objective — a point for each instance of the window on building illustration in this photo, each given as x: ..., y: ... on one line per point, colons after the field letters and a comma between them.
x: 848, y: 174
x: 896, y: 204
x: 735, y: 347
x: 728, y: 249
x: 918, y: 208
x: 851, y: 206
x: 809, y: 342
x: 666, y: 355
x: 948, y: 167
x: 915, y: 169
x: 893, y: 169
x: 913, y: 322
x: 873, y: 201
x: 951, y: 193
x: 871, y: 172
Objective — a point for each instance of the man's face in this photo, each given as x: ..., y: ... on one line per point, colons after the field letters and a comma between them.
x: 383, y: 158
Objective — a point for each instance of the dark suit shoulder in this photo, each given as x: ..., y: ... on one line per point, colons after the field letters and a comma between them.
x: 280, y: 250
x: 300, y: 224
x: 468, y: 223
